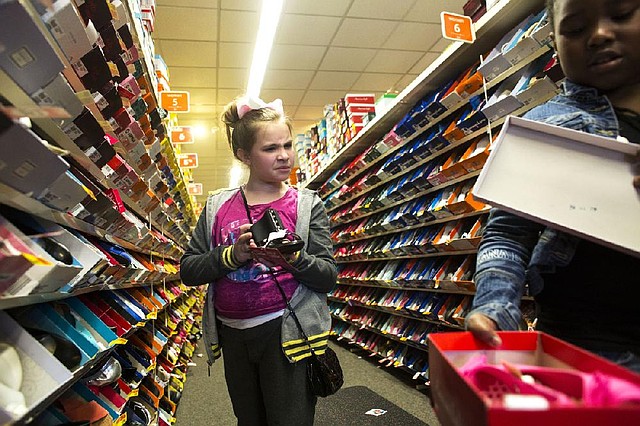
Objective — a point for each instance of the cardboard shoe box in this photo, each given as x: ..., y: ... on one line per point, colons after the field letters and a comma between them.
x: 458, y: 402
x: 566, y: 179
x: 29, y: 59
x: 31, y: 168
x: 42, y: 372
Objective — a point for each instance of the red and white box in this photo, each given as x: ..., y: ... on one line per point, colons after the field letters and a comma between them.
x: 459, y: 402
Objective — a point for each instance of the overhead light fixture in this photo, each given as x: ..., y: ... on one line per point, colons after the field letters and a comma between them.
x: 269, y: 18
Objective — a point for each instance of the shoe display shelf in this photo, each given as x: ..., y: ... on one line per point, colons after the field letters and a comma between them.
x: 405, y: 225
x: 94, y: 217
x: 150, y: 332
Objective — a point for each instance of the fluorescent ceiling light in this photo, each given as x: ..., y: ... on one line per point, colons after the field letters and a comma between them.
x: 269, y: 18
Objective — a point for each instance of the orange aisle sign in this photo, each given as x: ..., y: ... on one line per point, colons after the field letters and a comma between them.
x: 194, y: 188
x: 181, y: 134
x: 188, y: 161
x: 457, y: 27
x: 174, y: 101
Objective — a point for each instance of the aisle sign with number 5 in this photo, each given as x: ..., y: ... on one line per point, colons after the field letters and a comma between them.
x: 457, y: 27
x: 174, y: 101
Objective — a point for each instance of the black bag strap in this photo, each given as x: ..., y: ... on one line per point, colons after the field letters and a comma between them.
x: 282, y: 293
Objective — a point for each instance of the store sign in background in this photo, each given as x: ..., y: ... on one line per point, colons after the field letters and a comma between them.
x: 188, y: 161
x: 457, y: 27
x: 181, y: 134
x: 175, y: 101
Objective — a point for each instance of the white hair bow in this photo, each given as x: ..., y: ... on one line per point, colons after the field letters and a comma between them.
x: 249, y: 103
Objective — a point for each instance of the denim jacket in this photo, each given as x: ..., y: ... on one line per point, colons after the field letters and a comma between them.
x: 514, y: 250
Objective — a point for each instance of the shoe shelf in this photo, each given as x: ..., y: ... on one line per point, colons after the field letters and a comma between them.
x: 399, y: 312
x: 50, y: 131
x: 336, y: 183
x: 342, y: 219
x: 387, y: 352
x: 418, y: 286
x: 498, y: 20
x: 155, y: 339
x: 405, y: 171
x: 20, y: 201
x: 361, y: 235
x: 493, y: 125
x: 388, y: 335
x: 407, y: 256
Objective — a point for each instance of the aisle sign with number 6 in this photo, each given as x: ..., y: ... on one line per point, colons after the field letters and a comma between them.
x: 457, y: 27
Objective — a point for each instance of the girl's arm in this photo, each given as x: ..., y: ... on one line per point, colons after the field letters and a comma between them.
x: 315, y: 267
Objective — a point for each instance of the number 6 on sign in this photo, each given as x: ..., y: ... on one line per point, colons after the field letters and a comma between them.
x: 457, y: 27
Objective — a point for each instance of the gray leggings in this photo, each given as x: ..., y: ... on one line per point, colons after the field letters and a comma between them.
x: 265, y: 388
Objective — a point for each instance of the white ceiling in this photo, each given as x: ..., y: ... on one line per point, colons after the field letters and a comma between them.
x: 323, y: 50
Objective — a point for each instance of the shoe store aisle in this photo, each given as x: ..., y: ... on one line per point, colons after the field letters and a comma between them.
x: 205, y: 400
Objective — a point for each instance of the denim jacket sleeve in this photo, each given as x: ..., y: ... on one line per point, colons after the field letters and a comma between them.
x: 504, y: 253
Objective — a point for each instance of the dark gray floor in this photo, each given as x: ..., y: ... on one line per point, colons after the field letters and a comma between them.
x: 205, y: 400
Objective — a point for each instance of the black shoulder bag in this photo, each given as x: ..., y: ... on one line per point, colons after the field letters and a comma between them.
x: 324, y: 372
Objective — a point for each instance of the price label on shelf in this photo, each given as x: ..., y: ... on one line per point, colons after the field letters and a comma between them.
x: 175, y: 101
x: 457, y: 27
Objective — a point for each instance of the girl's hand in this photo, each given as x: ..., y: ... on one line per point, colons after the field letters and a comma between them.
x: 484, y: 329
x: 241, y: 251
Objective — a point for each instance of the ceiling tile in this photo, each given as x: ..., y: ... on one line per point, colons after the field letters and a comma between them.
x: 227, y: 95
x: 193, y: 77
x: 207, y: 4
x: 320, y: 98
x: 424, y: 62
x: 393, y: 61
x: 291, y: 79
x: 380, y: 9
x: 405, y: 80
x: 413, y: 36
x: 203, y: 109
x: 189, y: 53
x: 347, y: 59
x: 429, y: 11
x: 253, y: 5
x: 200, y: 96
x: 441, y: 45
x: 170, y: 23
x: 332, y: 80
x: 315, y: 7
x: 289, y: 57
x: 363, y: 33
x: 232, y: 78
x: 238, y: 26
x: 370, y: 82
x: 290, y: 98
x: 313, y: 113
x: 307, y: 29
x: 236, y: 55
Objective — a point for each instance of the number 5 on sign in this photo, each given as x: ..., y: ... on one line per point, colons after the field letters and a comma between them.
x: 457, y: 27
x: 174, y: 101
